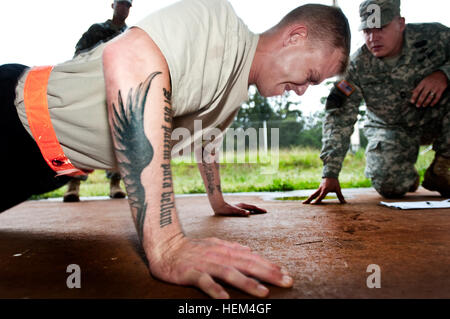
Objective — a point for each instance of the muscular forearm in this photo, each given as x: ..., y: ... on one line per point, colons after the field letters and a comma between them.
x: 209, y: 170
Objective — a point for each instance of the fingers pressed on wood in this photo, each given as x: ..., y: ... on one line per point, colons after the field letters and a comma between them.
x: 322, y: 195
x: 253, y: 209
x: 310, y: 198
x: 235, y: 278
x: 233, y: 211
x: 260, y: 268
x: 232, y: 245
x: 341, y: 197
x: 207, y: 284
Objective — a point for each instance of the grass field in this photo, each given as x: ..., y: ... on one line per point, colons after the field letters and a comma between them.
x: 298, y: 169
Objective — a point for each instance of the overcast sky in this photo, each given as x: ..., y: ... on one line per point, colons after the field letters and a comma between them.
x: 41, y: 32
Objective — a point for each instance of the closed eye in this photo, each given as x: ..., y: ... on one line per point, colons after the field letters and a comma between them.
x: 314, y: 78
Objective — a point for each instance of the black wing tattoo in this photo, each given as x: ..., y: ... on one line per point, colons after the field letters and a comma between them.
x: 133, y: 149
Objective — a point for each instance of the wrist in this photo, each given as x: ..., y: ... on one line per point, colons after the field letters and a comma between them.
x: 157, y: 235
x: 216, y: 202
x: 155, y: 251
x: 329, y: 174
x: 444, y: 73
x: 330, y: 171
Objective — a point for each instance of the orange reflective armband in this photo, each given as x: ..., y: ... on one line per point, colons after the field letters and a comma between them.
x: 38, y: 115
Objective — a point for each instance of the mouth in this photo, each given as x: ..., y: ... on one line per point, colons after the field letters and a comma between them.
x: 377, y: 47
x: 287, y: 88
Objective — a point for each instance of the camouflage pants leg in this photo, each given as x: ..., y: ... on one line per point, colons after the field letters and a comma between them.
x: 390, y: 158
x: 441, y: 127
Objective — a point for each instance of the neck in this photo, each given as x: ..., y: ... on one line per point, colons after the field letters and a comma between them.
x: 118, y: 22
x: 261, y: 54
x: 398, y: 49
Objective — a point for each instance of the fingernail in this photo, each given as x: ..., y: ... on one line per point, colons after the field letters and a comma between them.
x: 224, y: 295
x: 286, y: 281
x: 284, y: 271
x: 263, y: 291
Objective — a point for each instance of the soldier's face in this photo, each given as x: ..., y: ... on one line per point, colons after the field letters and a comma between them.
x: 387, y: 41
x: 121, y: 9
x: 296, y: 67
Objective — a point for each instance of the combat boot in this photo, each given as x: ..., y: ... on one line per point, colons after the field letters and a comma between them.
x: 416, y: 184
x: 73, y: 191
x: 114, y: 188
x: 437, y: 176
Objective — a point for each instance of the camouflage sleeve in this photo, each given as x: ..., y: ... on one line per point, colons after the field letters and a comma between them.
x: 341, y: 115
x: 445, y: 38
x: 89, y: 38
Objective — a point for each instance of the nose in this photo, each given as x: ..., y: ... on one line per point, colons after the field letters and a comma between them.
x: 374, y: 35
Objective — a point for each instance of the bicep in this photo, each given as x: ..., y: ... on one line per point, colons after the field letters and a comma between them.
x: 136, y: 78
x: 129, y: 59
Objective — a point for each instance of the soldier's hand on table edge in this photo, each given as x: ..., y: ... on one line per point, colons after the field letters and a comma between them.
x: 328, y: 185
x: 196, y: 262
x: 240, y: 210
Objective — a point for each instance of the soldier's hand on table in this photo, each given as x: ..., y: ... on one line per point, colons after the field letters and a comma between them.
x: 196, y: 262
x: 240, y: 209
x: 430, y: 90
x: 328, y: 185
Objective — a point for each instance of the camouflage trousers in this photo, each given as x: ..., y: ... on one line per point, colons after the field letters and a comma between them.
x: 392, y: 151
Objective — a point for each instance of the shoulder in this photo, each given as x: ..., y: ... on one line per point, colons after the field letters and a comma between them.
x: 424, y: 31
x: 419, y: 35
x: 210, y: 4
x: 97, y: 27
x: 186, y: 9
x: 425, y: 28
x: 360, y: 59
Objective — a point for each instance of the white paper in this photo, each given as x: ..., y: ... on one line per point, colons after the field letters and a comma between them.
x: 418, y: 205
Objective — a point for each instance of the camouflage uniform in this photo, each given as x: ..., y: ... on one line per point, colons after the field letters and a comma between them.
x: 98, y: 33
x: 395, y: 128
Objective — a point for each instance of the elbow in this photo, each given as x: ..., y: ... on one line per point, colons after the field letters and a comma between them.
x: 110, y: 54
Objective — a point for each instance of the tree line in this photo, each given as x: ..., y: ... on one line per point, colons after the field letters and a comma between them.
x: 295, y: 129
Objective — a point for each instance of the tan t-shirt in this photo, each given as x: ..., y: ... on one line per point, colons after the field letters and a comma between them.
x: 209, y: 51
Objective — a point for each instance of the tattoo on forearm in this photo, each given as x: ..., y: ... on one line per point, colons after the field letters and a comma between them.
x: 167, y: 202
x: 134, y: 150
x: 209, y: 174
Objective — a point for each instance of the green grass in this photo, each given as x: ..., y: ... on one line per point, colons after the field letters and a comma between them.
x: 298, y: 168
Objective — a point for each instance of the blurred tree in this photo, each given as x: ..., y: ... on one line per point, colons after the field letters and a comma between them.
x: 294, y: 129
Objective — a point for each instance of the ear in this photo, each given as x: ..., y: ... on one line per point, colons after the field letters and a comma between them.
x: 295, y: 34
x: 402, y: 24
